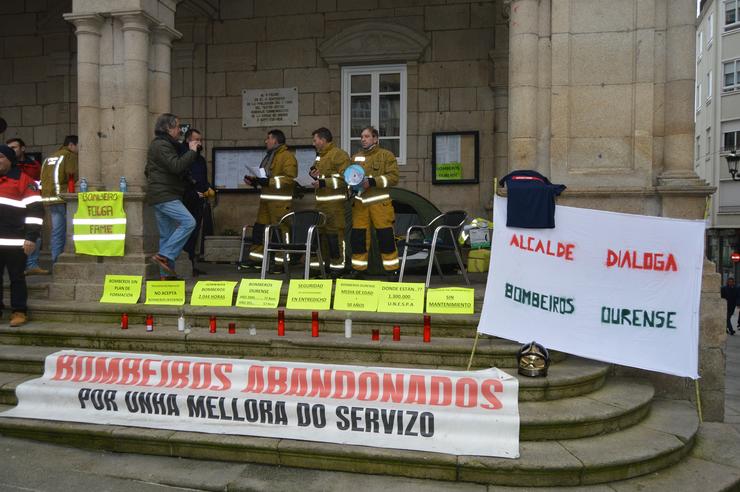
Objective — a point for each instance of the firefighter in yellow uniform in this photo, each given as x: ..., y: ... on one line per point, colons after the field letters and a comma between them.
x: 276, y: 195
x: 331, y: 196
x: 373, y: 206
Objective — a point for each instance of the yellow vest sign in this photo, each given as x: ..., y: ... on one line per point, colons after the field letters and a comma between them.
x: 99, y: 224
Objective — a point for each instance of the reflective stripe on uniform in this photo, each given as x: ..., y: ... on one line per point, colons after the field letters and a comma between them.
x: 385, y: 181
x: 360, y: 158
x: 372, y: 198
x: 277, y: 182
x: 99, y: 237
x: 12, y: 242
x: 277, y: 197
x: 32, y: 199
x: 358, y: 262
x: 390, y: 262
x: 35, y: 220
x: 98, y: 221
x: 12, y: 203
x: 329, y: 198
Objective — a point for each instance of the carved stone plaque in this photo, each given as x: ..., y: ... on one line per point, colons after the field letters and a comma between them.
x: 270, y: 107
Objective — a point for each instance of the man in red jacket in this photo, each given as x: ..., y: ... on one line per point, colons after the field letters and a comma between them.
x: 21, y: 217
x: 32, y: 168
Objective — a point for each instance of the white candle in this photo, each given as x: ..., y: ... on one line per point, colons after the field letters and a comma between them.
x: 348, y: 328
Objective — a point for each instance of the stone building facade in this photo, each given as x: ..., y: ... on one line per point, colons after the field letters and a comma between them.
x: 596, y: 94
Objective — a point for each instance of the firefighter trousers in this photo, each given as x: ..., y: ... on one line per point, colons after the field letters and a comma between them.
x: 270, y: 212
x: 332, y: 233
x: 380, y: 216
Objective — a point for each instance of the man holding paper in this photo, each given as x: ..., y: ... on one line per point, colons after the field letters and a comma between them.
x: 331, y: 196
x: 275, y: 177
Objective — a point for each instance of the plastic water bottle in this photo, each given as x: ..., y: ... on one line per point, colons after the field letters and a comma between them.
x: 122, y: 185
x: 83, y: 185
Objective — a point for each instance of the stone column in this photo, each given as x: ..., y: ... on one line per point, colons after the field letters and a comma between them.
x: 544, y: 87
x: 679, y: 92
x: 160, y: 66
x: 88, y: 28
x: 523, y: 83
x: 135, y: 28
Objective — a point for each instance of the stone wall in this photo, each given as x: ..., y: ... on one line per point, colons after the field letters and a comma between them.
x: 38, y: 88
x: 267, y: 44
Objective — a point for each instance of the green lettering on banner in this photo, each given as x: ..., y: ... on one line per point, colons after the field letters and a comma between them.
x: 539, y: 300
x: 121, y: 289
x: 256, y: 293
x: 212, y: 293
x: 356, y: 295
x: 641, y: 318
x: 449, y: 170
x: 451, y: 300
x: 165, y: 292
x: 312, y: 295
x: 401, y: 297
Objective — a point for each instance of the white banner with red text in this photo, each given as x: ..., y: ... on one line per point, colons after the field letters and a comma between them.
x: 614, y: 287
x: 462, y: 413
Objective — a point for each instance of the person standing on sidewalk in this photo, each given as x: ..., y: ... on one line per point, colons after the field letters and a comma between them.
x: 166, y: 173
x: 197, y: 192
x: 57, y: 170
x: 21, y: 217
x: 730, y: 294
x: 32, y: 168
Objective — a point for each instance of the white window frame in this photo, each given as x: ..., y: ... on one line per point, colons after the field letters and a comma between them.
x: 736, y: 24
x: 710, y: 29
x: 375, y: 71
x: 698, y: 147
x: 736, y: 68
x: 708, y: 152
x: 697, y: 98
x: 709, y: 87
x: 699, y: 45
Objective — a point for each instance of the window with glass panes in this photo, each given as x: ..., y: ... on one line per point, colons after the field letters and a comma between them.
x: 731, y: 78
x: 730, y: 141
x: 375, y: 95
x: 731, y: 13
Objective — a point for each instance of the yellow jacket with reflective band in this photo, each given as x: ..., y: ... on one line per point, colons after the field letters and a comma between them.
x: 331, y: 163
x: 55, y: 172
x: 283, y: 171
x: 99, y: 224
x: 380, y: 165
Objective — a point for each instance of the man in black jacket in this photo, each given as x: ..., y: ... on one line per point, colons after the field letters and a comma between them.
x: 197, y: 191
x: 730, y: 294
x: 165, y: 174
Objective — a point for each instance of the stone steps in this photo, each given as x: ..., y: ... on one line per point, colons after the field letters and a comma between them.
x: 660, y: 440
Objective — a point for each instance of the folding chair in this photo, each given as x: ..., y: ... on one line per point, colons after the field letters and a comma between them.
x: 303, y: 237
x: 446, y: 227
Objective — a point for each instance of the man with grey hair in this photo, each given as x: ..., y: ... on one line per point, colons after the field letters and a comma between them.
x: 166, y: 171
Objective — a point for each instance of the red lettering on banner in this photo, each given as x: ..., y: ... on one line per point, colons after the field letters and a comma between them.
x: 440, y: 391
x: 369, y: 387
x: 277, y: 380
x: 130, y: 373
x: 220, y: 371
x: 469, y: 387
x: 392, y: 391
x: 180, y: 372
x: 255, y: 380
x: 83, y: 368
x: 147, y: 372
x: 201, y: 375
x: 298, y: 382
x: 320, y: 383
x: 547, y: 248
x: 417, y: 393
x: 635, y: 260
x: 344, y: 385
x: 65, y: 367
x: 487, y: 390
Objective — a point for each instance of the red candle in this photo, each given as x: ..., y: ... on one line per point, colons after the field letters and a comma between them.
x: 212, y: 324
x: 232, y: 328
x: 281, y: 323
x: 396, y: 333
x: 149, y: 322
x: 375, y: 335
x: 124, y: 321
x: 427, y: 328
x: 71, y: 183
x: 315, y: 324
